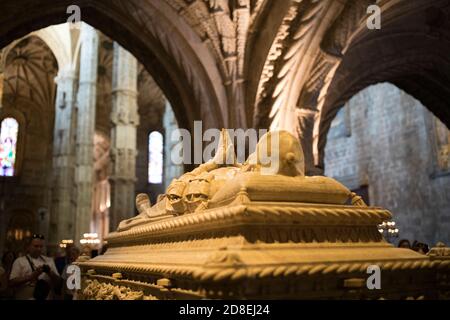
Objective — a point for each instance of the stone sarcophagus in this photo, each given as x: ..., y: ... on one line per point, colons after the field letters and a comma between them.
x: 260, y: 230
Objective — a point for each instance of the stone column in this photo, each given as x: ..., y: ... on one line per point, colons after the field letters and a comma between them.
x: 125, y: 119
x: 62, y: 211
x: 171, y: 170
x: 87, y: 98
x: 306, y: 119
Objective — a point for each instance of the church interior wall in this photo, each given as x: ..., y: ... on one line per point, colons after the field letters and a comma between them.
x: 382, y: 139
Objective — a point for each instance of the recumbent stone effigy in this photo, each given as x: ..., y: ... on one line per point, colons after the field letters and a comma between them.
x: 259, y: 230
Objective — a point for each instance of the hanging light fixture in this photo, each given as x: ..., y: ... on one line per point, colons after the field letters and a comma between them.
x: 389, y: 229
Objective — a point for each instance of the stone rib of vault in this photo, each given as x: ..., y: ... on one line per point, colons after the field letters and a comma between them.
x: 229, y: 231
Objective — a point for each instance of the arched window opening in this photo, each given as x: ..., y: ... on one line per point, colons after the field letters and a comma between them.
x: 8, y: 146
x: 155, y: 158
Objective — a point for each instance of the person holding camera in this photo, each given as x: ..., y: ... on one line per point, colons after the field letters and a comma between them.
x: 34, y: 276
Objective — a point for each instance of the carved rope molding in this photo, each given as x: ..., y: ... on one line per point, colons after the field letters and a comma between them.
x: 253, y: 214
x: 247, y: 234
x: 233, y: 271
x: 160, y: 292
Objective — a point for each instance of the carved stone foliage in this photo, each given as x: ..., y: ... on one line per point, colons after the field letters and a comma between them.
x: 223, y: 24
x: 96, y: 290
x: 289, y: 50
x: 332, y: 47
x: 291, y: 100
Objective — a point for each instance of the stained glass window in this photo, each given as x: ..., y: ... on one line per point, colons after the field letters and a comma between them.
x: 155, y: 158
x: 8, y: 143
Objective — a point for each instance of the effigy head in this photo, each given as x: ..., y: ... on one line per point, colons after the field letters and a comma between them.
x: 175, y: 193
x: 197, y: 192
x: 278, y: 153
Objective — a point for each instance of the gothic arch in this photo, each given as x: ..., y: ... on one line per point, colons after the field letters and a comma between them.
x: 410, y: 51
x: 170, y: 49
x: 65, y: 49
x: 262, y: 37
x: 290, y: 60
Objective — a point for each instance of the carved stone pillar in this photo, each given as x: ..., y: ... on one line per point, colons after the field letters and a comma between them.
x: 241, y: 19
x: 62, y: 211
x: 306, y: 119
x: 171, y: 170
x: 125, y: 119
x: 87, y: 98
x: 232, y: 19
